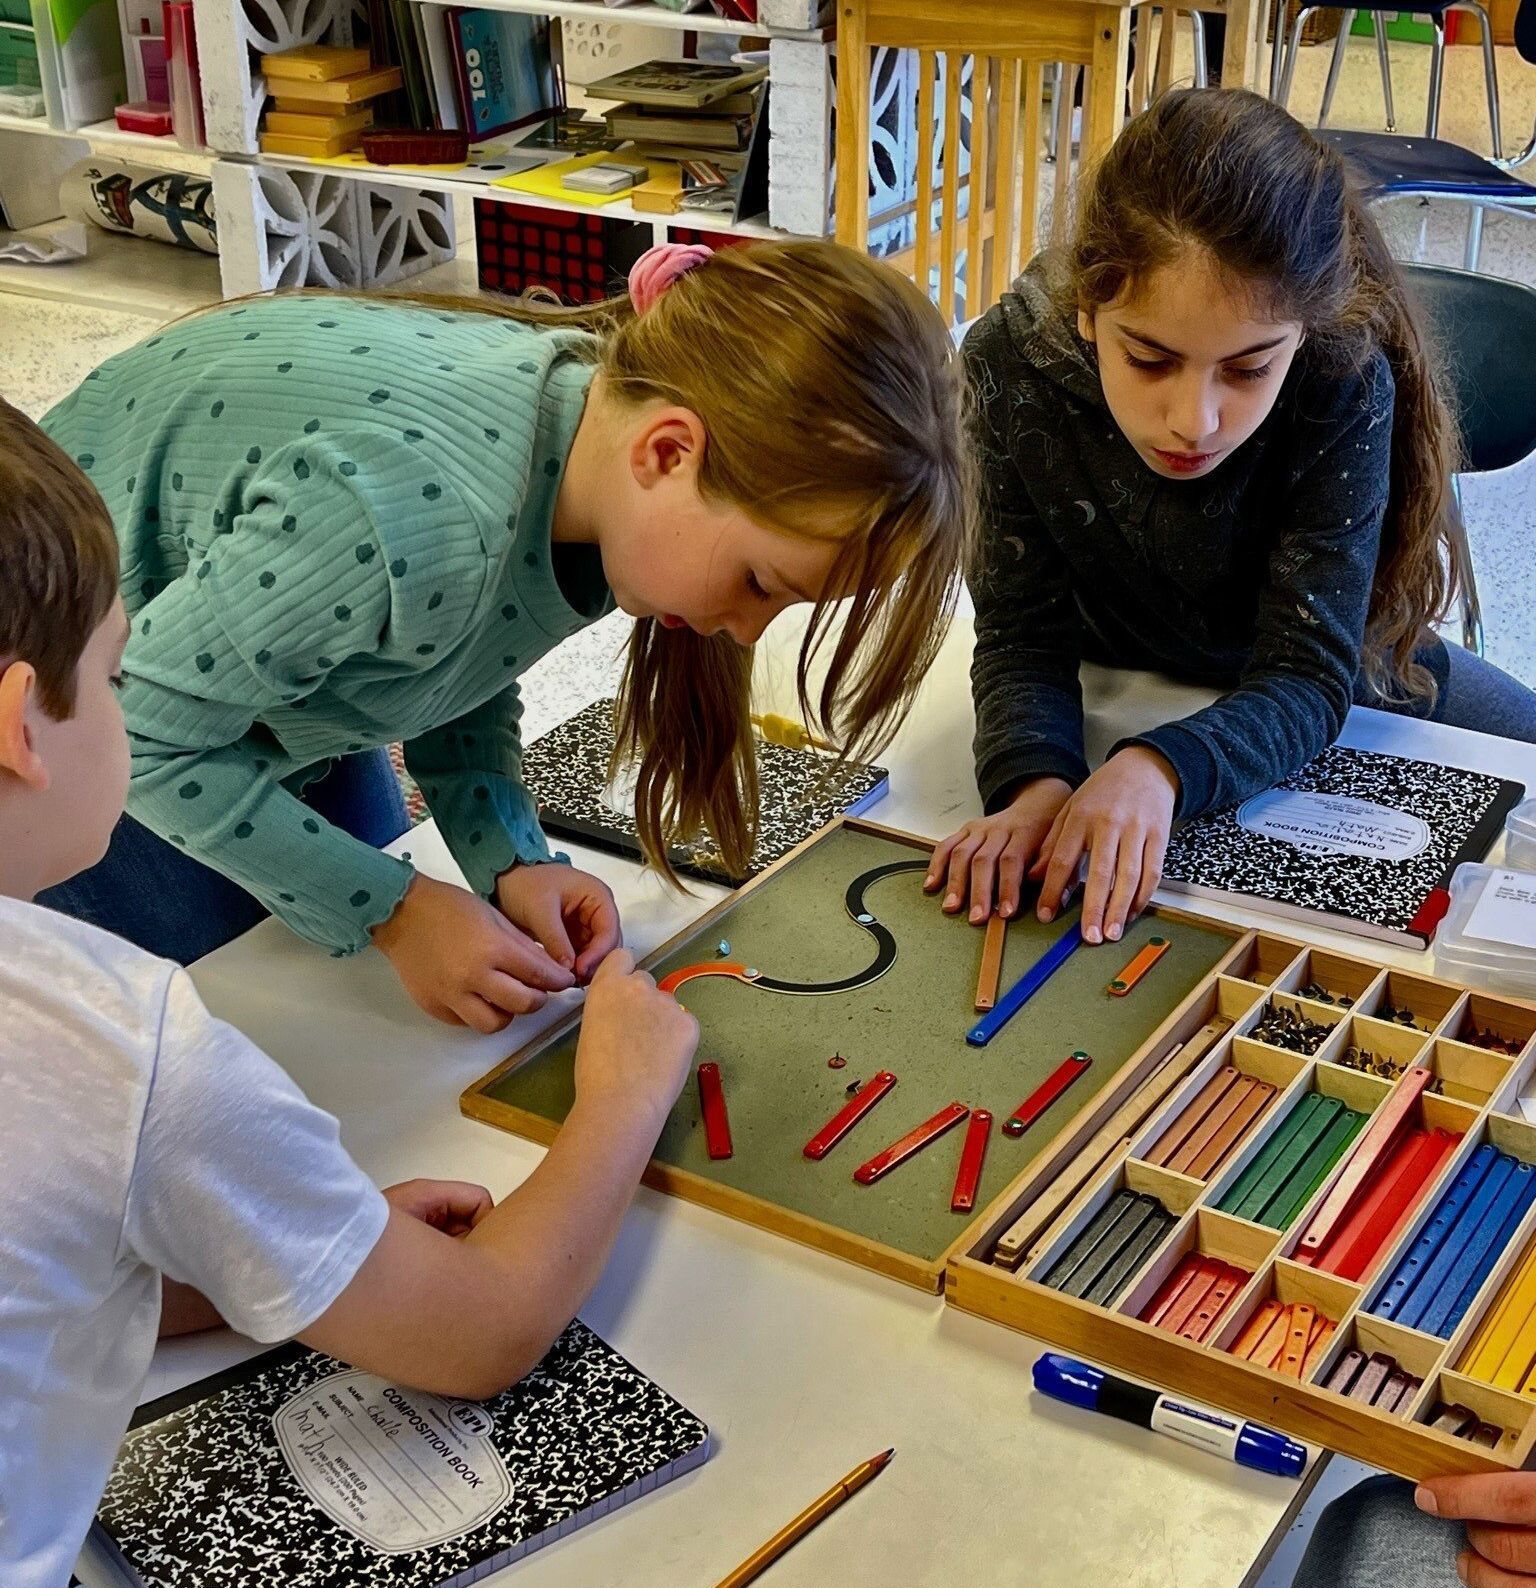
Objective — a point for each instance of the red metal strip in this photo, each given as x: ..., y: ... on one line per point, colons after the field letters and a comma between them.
x: 717, y: 1124
x: 914, y: 1141
x: 849, y: 1115
x: 968, y: 1177
x: 1045, y: 1094
x: 1394, y: 1194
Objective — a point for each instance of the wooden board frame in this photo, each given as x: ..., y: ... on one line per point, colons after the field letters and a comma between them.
x: 925, y: 1273
x: 1120, y: 1340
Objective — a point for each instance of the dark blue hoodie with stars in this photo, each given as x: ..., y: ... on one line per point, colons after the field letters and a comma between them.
x: 1255, y: 579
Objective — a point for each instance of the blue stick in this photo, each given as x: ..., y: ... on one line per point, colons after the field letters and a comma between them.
x: 1438, y: 1288
x: 1413, y: 1267
x: 1025, y: 987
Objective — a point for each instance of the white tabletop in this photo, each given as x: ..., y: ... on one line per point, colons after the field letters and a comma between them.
x: 801, y: 1365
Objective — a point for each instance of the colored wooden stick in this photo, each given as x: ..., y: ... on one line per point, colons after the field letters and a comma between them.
x: 1228, y: 1124
x: 991, y: 962
x: 1255, y: 1330
x: 1025, y: 987
x: 849, y: 1114
x: 1138, y: 967
x: 914, y: 1141
x: 1369, y: 1230
x: 1497, y: 1333
x: 1297, y: 1336
x: 972, y: 1153
x: 1373, y: 1146
x: 717, y: 1124
x: 1046, y: 1093
x: 1171, y: 1143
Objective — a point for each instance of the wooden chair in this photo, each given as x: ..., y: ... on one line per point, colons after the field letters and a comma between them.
x: 988, y: 210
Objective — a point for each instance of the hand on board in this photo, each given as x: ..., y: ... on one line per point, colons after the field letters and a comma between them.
x: 636, y: 1042
x: 463, y: 961
x: 1119, y: 819
x: 1499, y: 1509
x: 451, y: 1206
x: 992, y: 854
x: 571, y: 913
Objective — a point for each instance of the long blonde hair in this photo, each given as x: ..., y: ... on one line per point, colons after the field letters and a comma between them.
x: 834, y: 406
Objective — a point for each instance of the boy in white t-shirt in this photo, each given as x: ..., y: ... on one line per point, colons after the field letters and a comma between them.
x: 157, y: 1172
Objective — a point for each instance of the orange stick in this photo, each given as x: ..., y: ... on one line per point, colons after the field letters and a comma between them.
x: 991, y: 962
x: 1138, y: 967
x: 1258, y: 1327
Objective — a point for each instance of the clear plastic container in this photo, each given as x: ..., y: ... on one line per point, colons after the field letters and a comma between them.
x: 1520, y: 836
x: 1479, y: 961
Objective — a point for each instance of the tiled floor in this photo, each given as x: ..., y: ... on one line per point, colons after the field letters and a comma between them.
x: 45, y: 348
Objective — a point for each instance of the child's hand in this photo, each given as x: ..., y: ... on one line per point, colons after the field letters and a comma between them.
x: 462, y: 961
x: 997, y: 849
x: 1120, y: 818
x: 571, y: 913
x: 636, y: 1042
x: 1499, y: 1509
x: 447, y: 1205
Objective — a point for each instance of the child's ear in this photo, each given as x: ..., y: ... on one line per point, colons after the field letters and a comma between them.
x: 18, y: 701
x: 671, y: 439
x: 1085, y: 325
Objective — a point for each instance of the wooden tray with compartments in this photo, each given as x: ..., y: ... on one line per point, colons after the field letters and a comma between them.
x: 1474, y: 1094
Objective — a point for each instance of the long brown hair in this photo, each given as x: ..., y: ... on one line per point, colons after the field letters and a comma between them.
x: 834, y: 406
x: 1232, y: 173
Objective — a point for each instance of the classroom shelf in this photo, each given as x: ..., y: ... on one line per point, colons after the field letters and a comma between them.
x: 650, y: 16
x: 446, y: 181
x: 130, y: 274
x: 108, y: 136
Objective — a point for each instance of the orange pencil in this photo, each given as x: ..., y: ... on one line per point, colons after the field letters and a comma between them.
x: 817, y: 1511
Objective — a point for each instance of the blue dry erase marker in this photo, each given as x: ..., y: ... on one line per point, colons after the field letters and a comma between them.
x: 1248, y: 1444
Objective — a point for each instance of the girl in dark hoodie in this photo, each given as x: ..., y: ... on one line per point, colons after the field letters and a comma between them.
x: 1214, y: 445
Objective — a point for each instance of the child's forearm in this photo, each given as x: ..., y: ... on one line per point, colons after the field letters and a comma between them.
x: 552, y: 1236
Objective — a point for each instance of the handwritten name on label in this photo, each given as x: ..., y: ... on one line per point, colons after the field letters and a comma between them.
x: 1334, y: 824
x: 401, y: 1470
x: 1505, y: 911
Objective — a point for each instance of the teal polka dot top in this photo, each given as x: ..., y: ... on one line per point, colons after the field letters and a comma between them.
x: 334, y: 518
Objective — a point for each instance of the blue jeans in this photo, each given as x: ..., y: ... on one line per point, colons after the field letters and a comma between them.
x: 158, y: 896
x: 1476, y: 695
x: 1374, y: 1536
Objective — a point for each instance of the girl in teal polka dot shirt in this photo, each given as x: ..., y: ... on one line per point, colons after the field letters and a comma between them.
x: 345, y: 523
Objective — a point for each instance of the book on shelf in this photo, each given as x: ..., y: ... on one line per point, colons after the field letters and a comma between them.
x: 1356, y: 840
x: 569, y: 132
x: 800, y: 791
x: 295, y: 1471
x: 507, y: 67
x: 677, y: 85
x: 639, y: 125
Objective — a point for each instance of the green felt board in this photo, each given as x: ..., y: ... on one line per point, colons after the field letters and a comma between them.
x: 772, y: 1048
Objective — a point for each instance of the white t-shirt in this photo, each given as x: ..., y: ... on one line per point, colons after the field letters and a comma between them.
x: 138, y: 1136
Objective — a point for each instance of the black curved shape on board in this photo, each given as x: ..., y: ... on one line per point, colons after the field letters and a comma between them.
x: 853, y: 900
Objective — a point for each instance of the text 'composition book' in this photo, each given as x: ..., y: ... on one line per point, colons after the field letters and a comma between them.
x: 295, y: 1471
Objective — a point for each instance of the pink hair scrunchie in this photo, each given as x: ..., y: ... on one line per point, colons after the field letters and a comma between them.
x: 656, y: 270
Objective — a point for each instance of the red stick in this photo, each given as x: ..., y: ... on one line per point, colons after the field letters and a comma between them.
x: 849, y: 1115
x: 1045, y: 1094
x: 717, y: 1124
x: 914, y: 1141
x: 972, y: 1153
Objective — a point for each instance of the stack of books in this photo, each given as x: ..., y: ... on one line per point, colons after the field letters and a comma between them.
x: 698, y: 117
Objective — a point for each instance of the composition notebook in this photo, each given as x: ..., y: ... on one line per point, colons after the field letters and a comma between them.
x: 799, y: 792
x: 294, y: 1471
x: 1365, y: 842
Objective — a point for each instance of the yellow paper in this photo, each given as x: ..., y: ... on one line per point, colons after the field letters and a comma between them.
x: 545, y: 181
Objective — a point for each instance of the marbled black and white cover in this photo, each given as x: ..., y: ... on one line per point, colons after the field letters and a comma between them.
x: 799, y: 792
x: 1368, y: 844
x: 209, y: 1490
